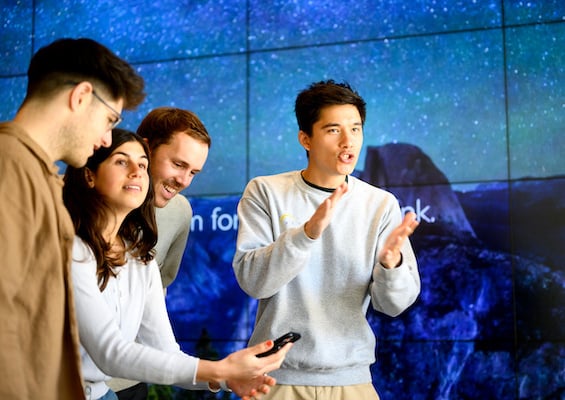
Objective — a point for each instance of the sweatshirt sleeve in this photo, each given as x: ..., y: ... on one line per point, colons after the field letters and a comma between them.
x: 265, y: 261
x: 101, y: 337
x: 394, y: 290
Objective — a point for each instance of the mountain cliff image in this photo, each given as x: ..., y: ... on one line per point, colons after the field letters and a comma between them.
x: 489, y: 322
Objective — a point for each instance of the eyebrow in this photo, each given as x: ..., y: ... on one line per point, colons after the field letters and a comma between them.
x: 127, y: 155
x: 332, y: 124
x: 186, y: 165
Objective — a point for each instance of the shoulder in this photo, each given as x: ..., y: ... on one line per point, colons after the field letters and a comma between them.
x: 82, y: 251
x: 179, y: 203
x: 178, y: 209
x: 364, y: 189
x: 12, y: 133
x: 17, y: 143
x: 15, y: 146
x: 23, y: 159
x: 141, y: 267
x: 144, y: 272
x: 273, y: 181
x: 83, y: 262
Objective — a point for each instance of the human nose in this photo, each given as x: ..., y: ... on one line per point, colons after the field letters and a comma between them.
x: 107, y: 138
x: 136, y: 170
x: 185, y: 179
x: 347, y: 138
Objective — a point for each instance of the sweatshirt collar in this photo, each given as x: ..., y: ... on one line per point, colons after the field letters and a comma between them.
x: 325, y: 189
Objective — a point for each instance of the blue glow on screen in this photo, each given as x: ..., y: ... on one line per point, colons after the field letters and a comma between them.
x: 477, y: 87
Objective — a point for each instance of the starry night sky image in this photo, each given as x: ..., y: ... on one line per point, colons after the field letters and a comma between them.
x: 473, y: 90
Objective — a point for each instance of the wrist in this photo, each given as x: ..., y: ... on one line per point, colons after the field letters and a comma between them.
x: 224, y: 386
x: 307, y: 232
x: 214, y: 387
x: 396, y: 265
x: 212, y: 372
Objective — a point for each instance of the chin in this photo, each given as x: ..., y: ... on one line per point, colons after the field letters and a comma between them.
x: 76, y: 163
x: 161, y: 203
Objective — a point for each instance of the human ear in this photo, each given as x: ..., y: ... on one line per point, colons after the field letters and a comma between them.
x: 89, y: 177
x: 304, y: 140
x: 79, y: 93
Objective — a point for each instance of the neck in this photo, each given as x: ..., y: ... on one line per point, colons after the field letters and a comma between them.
x: 328, y: 187
x: 117, y: 251
x: 114, y: 223
x: 323, y: 182
x: 42, y: 130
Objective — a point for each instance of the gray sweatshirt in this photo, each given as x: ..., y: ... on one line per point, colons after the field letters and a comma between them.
x: 173, y: 227
x: 320, y: 288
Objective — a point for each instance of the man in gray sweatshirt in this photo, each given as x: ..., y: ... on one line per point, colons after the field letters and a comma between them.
x: 179, y: 144
x: 317, y: 246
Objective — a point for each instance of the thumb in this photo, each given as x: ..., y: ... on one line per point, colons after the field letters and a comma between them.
x: 263, y: 346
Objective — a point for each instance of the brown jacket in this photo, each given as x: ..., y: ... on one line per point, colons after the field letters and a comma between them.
x: 39, y: 356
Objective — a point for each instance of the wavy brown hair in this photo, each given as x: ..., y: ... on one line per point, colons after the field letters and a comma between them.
x: 91, y: 215
x: 160, y: 125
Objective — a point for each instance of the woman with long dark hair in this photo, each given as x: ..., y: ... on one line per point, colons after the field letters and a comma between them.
x: 122, y: 319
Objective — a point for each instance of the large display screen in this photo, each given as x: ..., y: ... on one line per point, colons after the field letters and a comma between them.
x: 465, y: 125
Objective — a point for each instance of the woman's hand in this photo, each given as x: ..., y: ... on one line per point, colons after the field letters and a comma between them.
x: 244, y: 365
x: 245, y: 373
x: 254, y: 388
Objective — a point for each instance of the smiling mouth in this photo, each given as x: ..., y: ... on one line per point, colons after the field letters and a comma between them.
x: 169, y: 189
x: 133, y: 187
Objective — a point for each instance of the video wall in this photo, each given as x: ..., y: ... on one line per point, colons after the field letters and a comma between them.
x: 465, y: 125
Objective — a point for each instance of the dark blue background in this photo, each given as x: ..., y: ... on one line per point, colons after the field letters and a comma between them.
x: 478, y: 86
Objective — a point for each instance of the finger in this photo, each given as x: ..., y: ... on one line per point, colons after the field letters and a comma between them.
x: 336, y: 195
x: 261, y: 347
x: 395, y: 244
x: 285, y: 349
x: 409, y: 230
x: 409, y: 217
x: 269, y: 380
x: 344, y: 187
x: 275, y: 360
x: 339, y: 192
x: 255, y: 395
x: 264, y: 389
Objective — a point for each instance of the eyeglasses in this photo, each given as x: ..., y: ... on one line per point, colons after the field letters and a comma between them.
x: 118, y: 115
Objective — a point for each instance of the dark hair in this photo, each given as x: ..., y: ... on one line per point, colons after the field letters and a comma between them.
x: 90, y: 215
x: 162, y: 123
x: 310, y: 102
x: 74, y: 60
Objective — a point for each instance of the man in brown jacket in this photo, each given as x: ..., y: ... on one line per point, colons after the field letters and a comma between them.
x: 76, y: 91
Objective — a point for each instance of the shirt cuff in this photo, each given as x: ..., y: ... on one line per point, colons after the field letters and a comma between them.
x: 224, y: 386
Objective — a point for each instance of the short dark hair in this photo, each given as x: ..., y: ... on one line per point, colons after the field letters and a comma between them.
x: 163, y: 122
x: 310, y: 102
x: 88, y: 211
x: 67, y: 61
